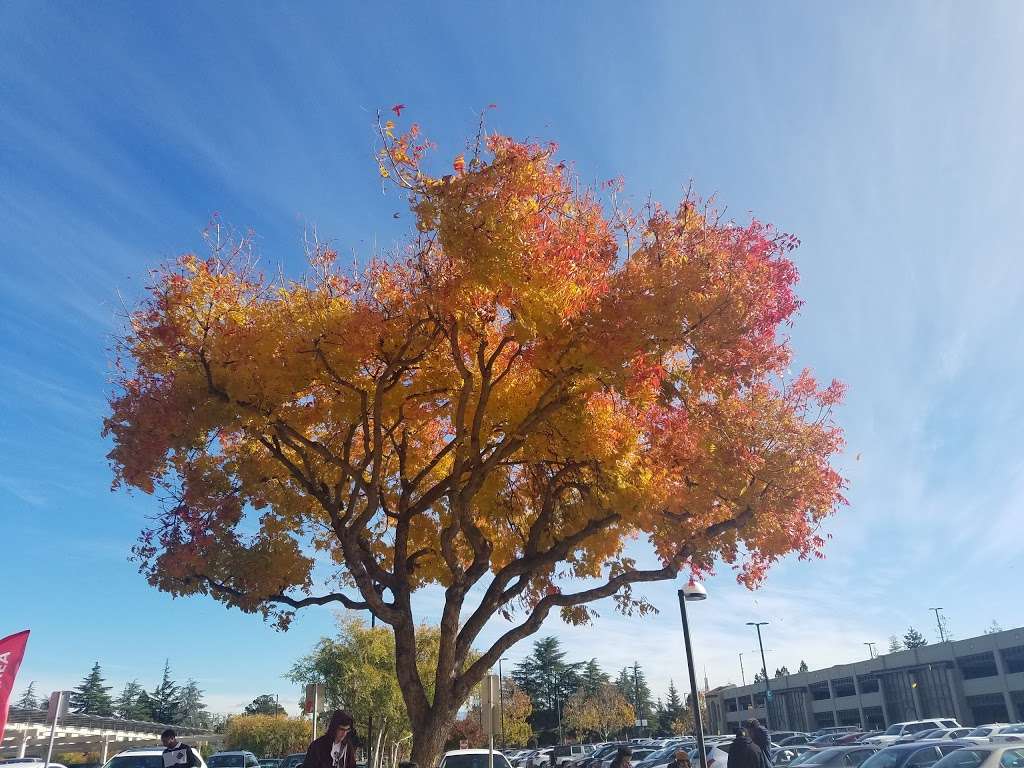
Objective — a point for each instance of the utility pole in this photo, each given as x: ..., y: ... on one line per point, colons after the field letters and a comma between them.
x: 501, y: 703
x: 938, y: 622
x: 764, y: 670
x: 743, y: 675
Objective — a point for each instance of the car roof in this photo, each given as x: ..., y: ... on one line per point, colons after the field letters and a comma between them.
x: 232, y: 752
x: 141, y: 751
x: 470, y: 752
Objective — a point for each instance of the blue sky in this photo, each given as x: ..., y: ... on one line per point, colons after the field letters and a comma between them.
x: 886, y: 136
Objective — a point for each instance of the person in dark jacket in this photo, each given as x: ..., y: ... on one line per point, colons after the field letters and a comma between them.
x: 743, y: 753
x: 176, y: 754
x: 337, y: 747
x: 623, y: 758
x: 759, y: 736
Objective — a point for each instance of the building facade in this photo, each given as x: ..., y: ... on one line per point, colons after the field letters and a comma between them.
x: 978, y: 680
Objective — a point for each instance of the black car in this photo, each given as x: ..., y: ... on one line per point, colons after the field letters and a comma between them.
x: 293, y: 760
x: 911, y: 755
x: 839, y: 757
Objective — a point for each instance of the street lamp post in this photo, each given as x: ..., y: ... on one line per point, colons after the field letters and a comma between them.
x: 743, y: 675
x: 764, y: 671
x: 938, y: 622
x: 501, y: 703
x: 693, y: 592
x: 871, y: 650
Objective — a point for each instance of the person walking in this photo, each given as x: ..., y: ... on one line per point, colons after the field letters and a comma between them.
x: 743, y: 753
x: 337, y: 747
x: 623, y: 758
x: 177, y: 754
x: 759, y: 736
x: 680, y: 760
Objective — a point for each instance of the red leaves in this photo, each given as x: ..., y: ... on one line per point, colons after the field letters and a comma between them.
x: 397, y: 109
x: 459, y: 164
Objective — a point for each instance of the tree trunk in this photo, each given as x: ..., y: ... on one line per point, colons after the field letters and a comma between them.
x: 429, y: 737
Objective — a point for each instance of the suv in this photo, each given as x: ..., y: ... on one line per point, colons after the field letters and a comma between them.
x: 988, y: 732
x: 569, y: 753
x: 897, y: 730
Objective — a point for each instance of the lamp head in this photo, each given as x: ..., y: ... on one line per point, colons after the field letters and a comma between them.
x: 694, y: 591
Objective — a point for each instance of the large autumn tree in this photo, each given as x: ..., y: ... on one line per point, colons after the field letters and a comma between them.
x: 536, y: 378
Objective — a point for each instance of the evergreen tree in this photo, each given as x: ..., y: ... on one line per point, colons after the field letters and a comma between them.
x: 894, y: 644
x: 633, y: 684
x: 803, y: 666
x: 782, y: 671
x: 992, y: 628
x: 28, y: 699
x: 548, y: 680
x: 914, y: 639
x: 165, y: 698
x: 144, y: 707
x: 592, y: 677
x: 191, y: 709
x: 127, y: 704
x: 673, y: 704
x: 92, y: 697
x: 758, y: 677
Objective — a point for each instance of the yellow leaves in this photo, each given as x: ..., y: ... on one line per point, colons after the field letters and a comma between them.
x: 384, y: 172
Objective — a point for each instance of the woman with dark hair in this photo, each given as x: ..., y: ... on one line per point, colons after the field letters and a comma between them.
x: 337, y: 747
x: 623, y: 757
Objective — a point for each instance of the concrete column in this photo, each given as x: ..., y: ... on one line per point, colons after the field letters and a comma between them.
x: 832, y: 701
x: 812, y: 722
x: 1011, y: 710
x: 956, y: 690
x: 918, y: 708
x: 24, y: 743
x: 860, y: 703
x: 106, y: 746
x: 885, y: 707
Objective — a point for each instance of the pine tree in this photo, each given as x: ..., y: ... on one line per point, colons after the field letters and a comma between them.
x: 803, y: 666
x: 673, y: 704
x: 633, y: 684
x: 165, y: 698
x: 92, y: 697
x: 759, y: 677
x: 914, y: 639
x: 144, y: 707
x: 894, y: 644
x: 191, y: 709
x: 28, y: 699
x: 547, y: 678
x: 592, y: 677
x: 993, y: 628
x: 782, y: 671
x: 127, y: 704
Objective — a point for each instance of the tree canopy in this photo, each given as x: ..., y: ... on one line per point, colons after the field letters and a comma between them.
x: 538, y: 376
x: 92, y: 697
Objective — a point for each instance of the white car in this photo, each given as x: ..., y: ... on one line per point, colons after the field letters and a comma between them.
x: 144, y: 757
x: 540, y: 757
x: 1013, y: 734
x: 896, y: 731
x: 472, y: 758
x: 988, y: 732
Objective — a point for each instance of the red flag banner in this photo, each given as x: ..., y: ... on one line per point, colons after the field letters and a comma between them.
x: 12, y: 651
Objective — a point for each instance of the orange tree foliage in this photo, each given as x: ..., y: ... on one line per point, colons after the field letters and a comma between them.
x: 535, y: 379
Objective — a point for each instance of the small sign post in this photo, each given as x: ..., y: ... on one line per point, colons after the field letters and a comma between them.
x: 490, y: 693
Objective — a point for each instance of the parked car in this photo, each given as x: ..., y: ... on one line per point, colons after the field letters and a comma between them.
x: 838, y: 757
x: 780, y: 736
x: 897, y: 730
x: 826, y: 740
x: 294, y: 760
x: 985, y: 733
x: 794, y: 740
x: 598, y: 756
x: 233, y: 759
x: 472, y: 758
x: 1015, y: 733
x: 943, y: 734
x: 786, y: 755
x: 846, y: 739
x: 984, y: 756
x: 911, y: 755
x: 639, y: 753
x: 662, y: 757
x: 539, y: 758
x: 270, y: 762
x: 143, y: 757
x: 564, y: 754
x: 716, y: 755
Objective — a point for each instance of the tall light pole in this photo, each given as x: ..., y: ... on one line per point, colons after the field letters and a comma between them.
x: 501, y: 703
x: 871, y: 650
x: 743, y: 675
x: 693, y: 592
x: 938, y: 622
x: 764, y: 670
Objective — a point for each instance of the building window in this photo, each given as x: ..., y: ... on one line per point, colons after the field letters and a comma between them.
x: 820, y: 692
x: 988, y: 708
x: 977, y: 665
x: 1013, y: 659
x: 843, y: 687
x: 868, y: 684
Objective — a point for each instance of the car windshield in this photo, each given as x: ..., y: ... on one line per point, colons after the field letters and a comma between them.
x: 226, y: 761
x: 895, y: 730
x: 136, y: 761
x: 825, y: 756
x: 887, y: 758
x: 963, y: 758
x: 473, y: 761
x: 980, y: 732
